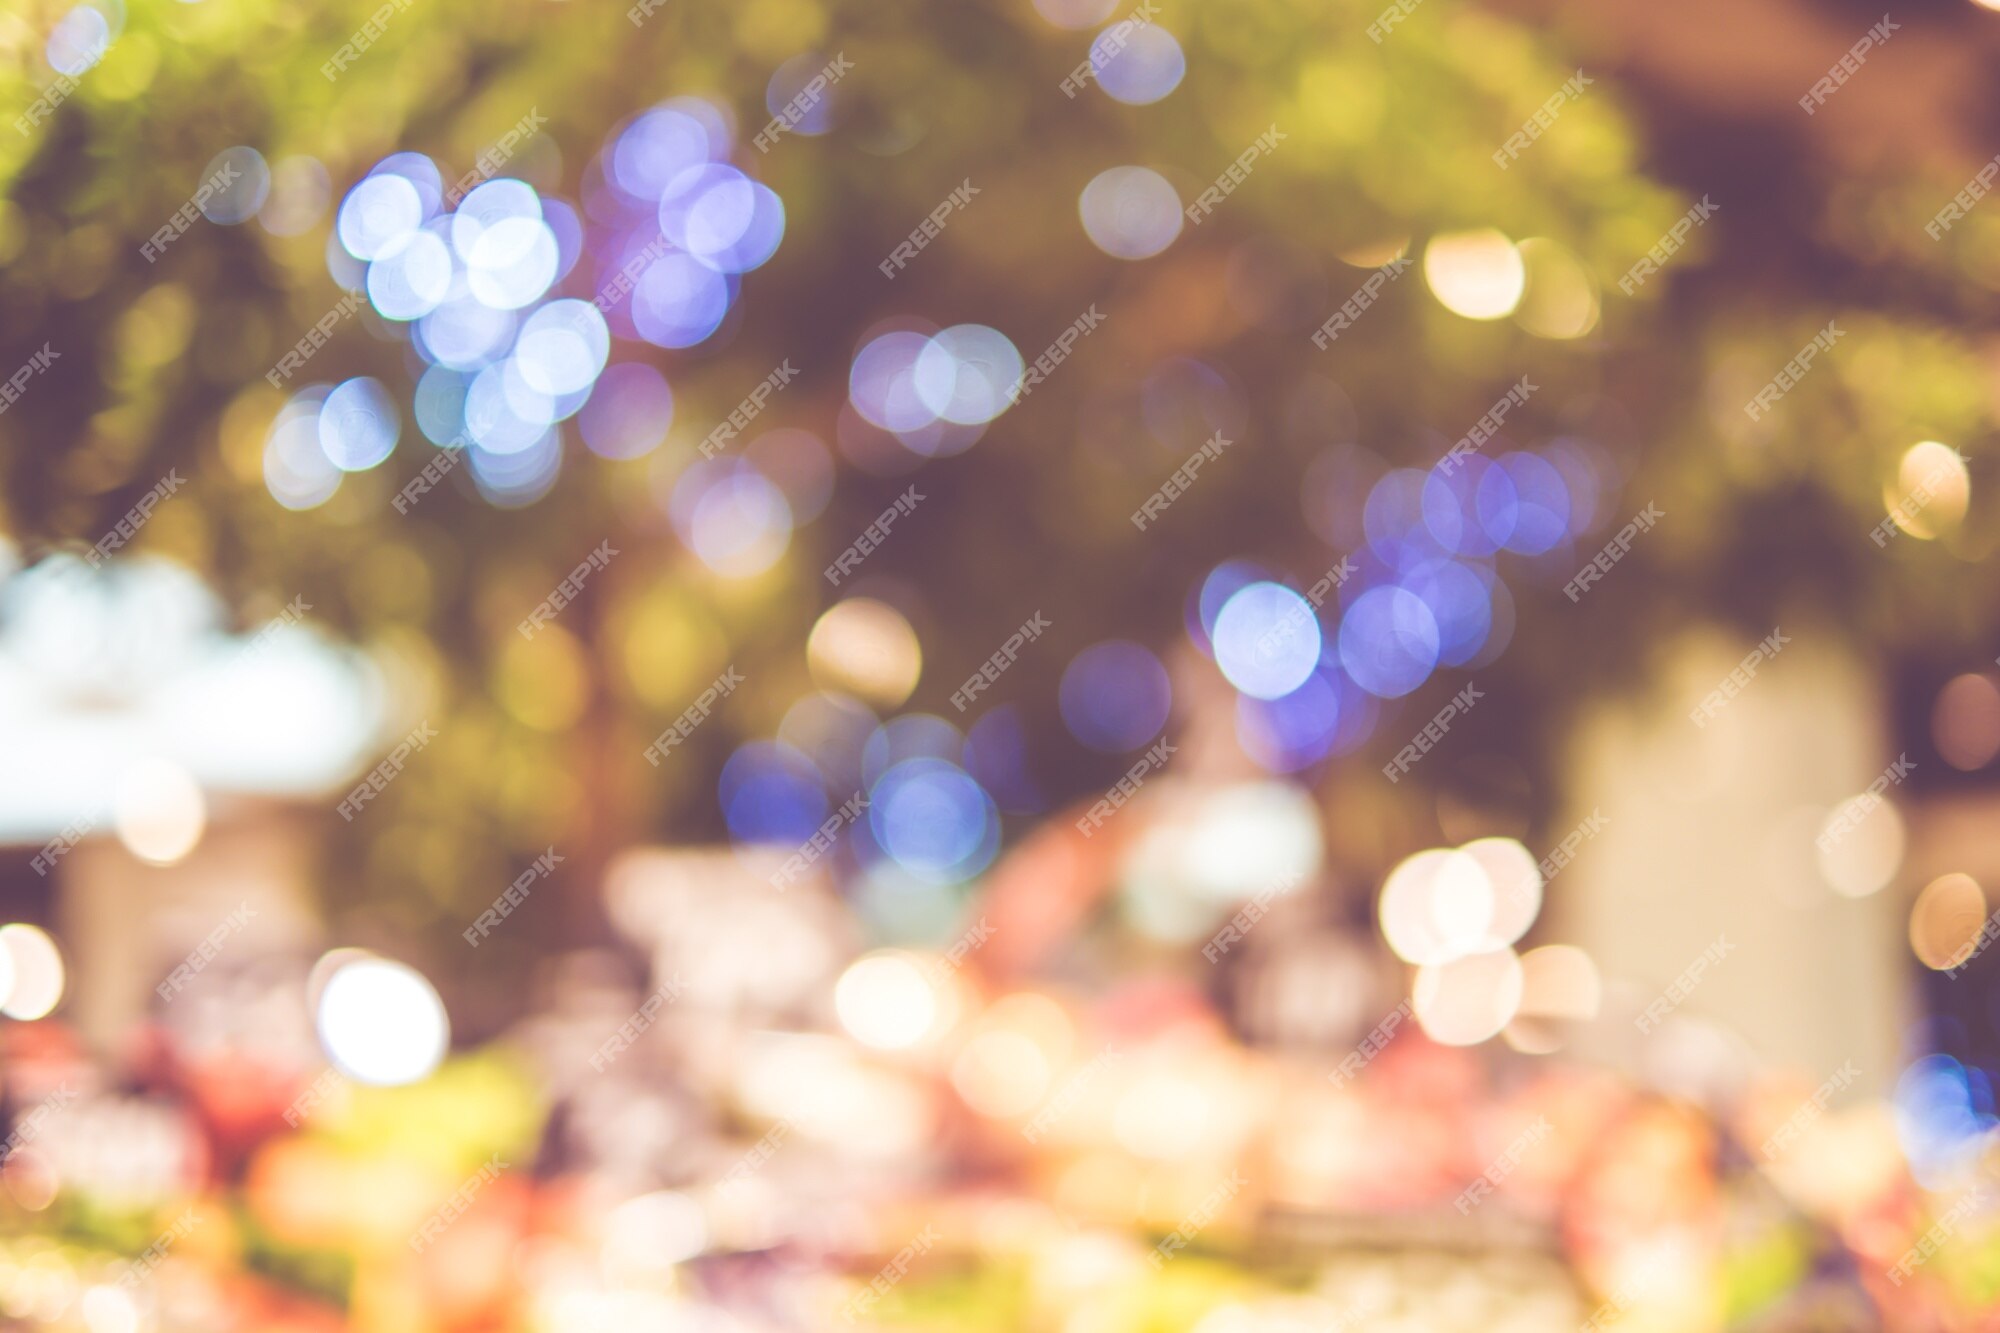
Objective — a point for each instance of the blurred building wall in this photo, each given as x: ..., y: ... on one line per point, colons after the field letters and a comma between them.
x: 1711, y: 837
x: 129, y: 924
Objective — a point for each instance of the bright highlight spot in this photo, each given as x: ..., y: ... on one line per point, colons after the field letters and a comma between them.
x: 37, y: 968
x: 1267, y: 640
x: 1477, y: 274
x: 884, y: 1002
x: 381, y: 1022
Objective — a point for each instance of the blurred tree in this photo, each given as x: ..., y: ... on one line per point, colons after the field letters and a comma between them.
x: 1385, y: 145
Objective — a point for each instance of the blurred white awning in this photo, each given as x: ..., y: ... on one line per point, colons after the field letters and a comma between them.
x: 102, y: 668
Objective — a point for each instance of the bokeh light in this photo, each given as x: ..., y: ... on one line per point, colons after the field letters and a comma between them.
x: 1130, y: 212
x: 1946, y: 920
x: 242, y: 182
x: 1115, y: 696
x: 1477, y: 274
x: 629, y: 412
x: 1389, y: 641
x: 1861, y: 845
x: 1468, y: 1000
x: 771, y: 793
x: 1931, y: 492
x: 1267, y: 640
x: 866, y: 648
x: 1965, y: 722
x: 381, y: 1022
x: 37, y: 971
x: 885, y: 1002
x: 1139, y: 66
x: 934, y: 820
x: 358, y: 425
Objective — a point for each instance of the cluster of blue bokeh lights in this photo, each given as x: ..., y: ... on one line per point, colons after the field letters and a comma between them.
x: 1317, y: 662
x: 1314, y: 660
x: 917, y: 800
x: 503, y: 357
